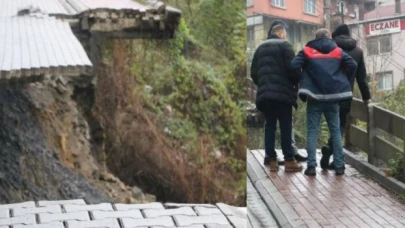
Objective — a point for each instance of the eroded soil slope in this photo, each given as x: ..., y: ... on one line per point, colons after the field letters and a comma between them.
x: 47, y: 151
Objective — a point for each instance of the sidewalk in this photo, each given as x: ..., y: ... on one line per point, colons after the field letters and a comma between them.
x: 326, y: 200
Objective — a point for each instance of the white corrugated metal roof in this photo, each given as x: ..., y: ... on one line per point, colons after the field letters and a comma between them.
x: 86, y: 5
x: 37, y: 41
x: 34, y: 46
x: 108, y: 4
x: 9, y: 8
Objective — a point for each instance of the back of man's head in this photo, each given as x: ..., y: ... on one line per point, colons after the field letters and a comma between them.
x: 322, y: 33
x: 279, y: 31
x: 342, y: 29
x: 275, y: 23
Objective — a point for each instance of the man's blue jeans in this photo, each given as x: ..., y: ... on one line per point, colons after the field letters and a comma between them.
x: 331, y: 111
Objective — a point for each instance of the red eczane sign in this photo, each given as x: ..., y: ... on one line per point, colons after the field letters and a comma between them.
x: 385, y: 27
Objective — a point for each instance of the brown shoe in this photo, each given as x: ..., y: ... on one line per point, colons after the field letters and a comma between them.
x: 273, y: 166
x: 293, y: 166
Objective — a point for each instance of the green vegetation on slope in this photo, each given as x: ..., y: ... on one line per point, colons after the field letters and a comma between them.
x: 183, y: 139
x: 394, y: 101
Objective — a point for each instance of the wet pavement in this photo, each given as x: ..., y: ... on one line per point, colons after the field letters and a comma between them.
x: 325, y: 200
x: 258, y: 213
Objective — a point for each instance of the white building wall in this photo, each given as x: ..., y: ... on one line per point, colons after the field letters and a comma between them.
x: 397, y: 64
x: 393, y: 61
x: 386, y: 2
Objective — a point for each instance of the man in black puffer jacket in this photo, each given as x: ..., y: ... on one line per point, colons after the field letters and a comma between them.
x: 277, y: 93
x: 341, y: 35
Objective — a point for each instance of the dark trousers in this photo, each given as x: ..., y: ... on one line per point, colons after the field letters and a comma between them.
x: 344, y: 110
x: 283, y: 113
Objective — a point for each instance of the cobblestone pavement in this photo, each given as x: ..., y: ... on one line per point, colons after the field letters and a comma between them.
x: 78, y: 214
x: 326, y: 200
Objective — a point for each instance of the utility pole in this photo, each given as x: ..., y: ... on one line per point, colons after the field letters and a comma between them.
x: 342, y: 11
x: 361, y: 10
x: 397, y: 6
x: 327, y: 14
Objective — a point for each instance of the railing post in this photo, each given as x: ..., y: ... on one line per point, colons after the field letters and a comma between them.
x: 347, y: 143
x: 403, y: 162
x: 371, y: 132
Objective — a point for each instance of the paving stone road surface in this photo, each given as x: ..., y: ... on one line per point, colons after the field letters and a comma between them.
x: 78, y: 214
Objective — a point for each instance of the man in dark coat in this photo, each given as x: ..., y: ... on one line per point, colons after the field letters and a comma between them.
x: 276, y: 94
x: 325, y: 70
x: 298, y: 157
x: 341, y: 35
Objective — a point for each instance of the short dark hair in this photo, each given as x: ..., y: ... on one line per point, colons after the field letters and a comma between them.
x: 322, y: 33
x: 277, y: 29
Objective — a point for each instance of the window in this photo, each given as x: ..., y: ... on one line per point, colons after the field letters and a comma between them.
x: 250, y: 34
x: 249, y: 3
x: 310, y: 6
x: 378, y: 45
x: 372, y: 46
x: 279, y: 3
x: 385, y: 44
x: 369, y: 6
x: 385, y: 81
x: 291, y: 34
x: 299, y: 34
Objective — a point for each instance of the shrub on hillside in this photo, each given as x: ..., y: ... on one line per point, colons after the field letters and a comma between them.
x: 184, y: 137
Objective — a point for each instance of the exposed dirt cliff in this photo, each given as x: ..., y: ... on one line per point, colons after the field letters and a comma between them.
x: 51, y: 148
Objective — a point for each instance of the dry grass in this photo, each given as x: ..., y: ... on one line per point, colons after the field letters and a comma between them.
x: 140, y: 153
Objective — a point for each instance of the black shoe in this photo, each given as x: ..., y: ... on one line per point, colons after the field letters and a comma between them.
x: 299, y: 158
x: 340, y: 171
x: 326, y: 153
x: 331, y: 165
x: 310, y: 171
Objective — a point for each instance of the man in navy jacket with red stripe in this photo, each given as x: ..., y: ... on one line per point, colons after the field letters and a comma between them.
x: 325, y: 71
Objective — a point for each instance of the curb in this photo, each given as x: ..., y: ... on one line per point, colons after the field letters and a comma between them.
x: 260, y: 181
x: 375, y: 173
x: 275, y: 211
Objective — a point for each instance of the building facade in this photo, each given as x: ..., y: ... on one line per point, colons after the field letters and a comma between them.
x: 382, y: 37
x: 302, y: 16
x: 353, y: 10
